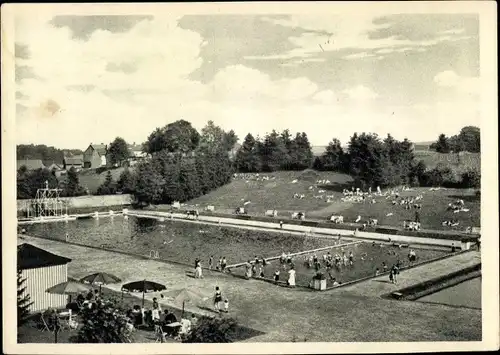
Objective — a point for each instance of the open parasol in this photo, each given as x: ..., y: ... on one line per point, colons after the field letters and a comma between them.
x: 69, y: 287
x: 181, y: 296
x: 143, y: 286
x: 100, y: 278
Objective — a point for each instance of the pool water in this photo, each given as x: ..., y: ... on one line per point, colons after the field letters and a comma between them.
x: 176, y: 240
x: 465, y: 294
x: 367, y: 258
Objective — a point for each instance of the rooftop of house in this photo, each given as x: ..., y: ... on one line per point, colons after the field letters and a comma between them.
x: 74, y: 160
x: 32, y: 257
x: 100, y: 148
x: 30, y: 164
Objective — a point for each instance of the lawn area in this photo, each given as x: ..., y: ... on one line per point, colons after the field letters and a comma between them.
x: 457, y: 163
x: 275, y: 193
x: 177, y: 241
x: 367, y: 258
x: 278, y: 193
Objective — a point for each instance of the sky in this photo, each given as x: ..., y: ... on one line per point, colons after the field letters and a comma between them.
x: 89, y: 79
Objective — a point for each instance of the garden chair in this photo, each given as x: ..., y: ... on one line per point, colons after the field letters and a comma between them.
x: 160, y: 335
x: 44, y: 324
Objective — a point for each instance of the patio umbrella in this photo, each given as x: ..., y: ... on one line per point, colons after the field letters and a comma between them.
x: 100, y: 278
x: 69, y: 287
x: 143, y: 286
x: 183, y: 295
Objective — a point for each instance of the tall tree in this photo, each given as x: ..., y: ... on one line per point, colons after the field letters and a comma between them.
x: 303, y: 156
x: 272, y: 152
x: 334, y: 158
x: 229, y: 140
x: 126, y: 182
x: 179, y: 136
x: 73, y: 187
x: 118, y: 151
x: 23, y: 300
x: 441, y: 145
x: 149, y: 185
x: 108, y: 187
x: 247, y: 158
x: 188, y: 179
x: 369, y: 162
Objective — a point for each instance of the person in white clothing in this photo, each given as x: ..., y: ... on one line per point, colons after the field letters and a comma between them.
x: 291, y: 277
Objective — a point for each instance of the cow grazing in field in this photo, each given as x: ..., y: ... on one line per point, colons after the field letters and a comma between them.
x: 337, y: 219
x: 193, y: 213
x: 240, y: 210
x: 271, y: 213
x: 298, y: 215
x: 210, y: 208
x: 389, y: 214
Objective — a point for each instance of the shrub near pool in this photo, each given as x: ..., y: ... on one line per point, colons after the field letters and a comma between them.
x: 373, y: 254
x: 177, y: 241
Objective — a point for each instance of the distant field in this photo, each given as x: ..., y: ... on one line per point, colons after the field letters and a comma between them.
x: 91, y: 180
x: 458, y: 163
x: 278, y: 194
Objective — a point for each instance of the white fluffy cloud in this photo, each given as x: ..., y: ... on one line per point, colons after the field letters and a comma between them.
x: 463, y: 85
x: 361, y: 93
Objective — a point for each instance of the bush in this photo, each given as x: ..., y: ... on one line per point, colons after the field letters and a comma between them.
x: 212, y: 330
x: 471, y: 178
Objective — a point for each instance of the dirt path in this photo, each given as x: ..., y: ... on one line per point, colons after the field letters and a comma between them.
x: 381, y: 285
x: 282, y: 313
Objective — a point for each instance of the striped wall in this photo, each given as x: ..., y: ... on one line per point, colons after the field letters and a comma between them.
x: 40, y: 279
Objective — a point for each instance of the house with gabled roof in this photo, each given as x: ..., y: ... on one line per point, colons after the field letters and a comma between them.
x: 75, y: 161
x: 95, y: 156
x: 41, y: 270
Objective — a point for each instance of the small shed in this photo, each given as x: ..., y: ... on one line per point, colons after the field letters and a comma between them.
x: 41, y: 270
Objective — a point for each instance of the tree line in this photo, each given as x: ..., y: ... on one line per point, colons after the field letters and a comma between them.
x: 468, y: 140
x: 184, y: 164
x: 29, y: 181
x: 43, y: 152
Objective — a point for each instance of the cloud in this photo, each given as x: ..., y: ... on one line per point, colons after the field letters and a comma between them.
x: 359, y: 55
x: 361, y: 93
x: 326, y: 97
x: 465, y: 85
x: 334, y: 33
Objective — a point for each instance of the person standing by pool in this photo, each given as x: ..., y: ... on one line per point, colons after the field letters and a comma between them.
x: 223, y: 264
x: 276, y: 276
x: 217, y: 298
x: 391, y: 276
x: 198, y: 272
x: 291, y: 277
x: 395, y: 271
x: 248, y: 270
x: 281, y: 224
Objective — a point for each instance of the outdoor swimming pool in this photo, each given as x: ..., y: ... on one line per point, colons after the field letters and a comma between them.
x: 182, y: 242
x: 465, y: 294
x: 176, y: 240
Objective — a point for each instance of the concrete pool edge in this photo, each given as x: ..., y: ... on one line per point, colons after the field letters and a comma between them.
x: 428, y: 287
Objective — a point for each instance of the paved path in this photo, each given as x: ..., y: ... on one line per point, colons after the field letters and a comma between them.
x: 380, y: 285
x: 283, y: 313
